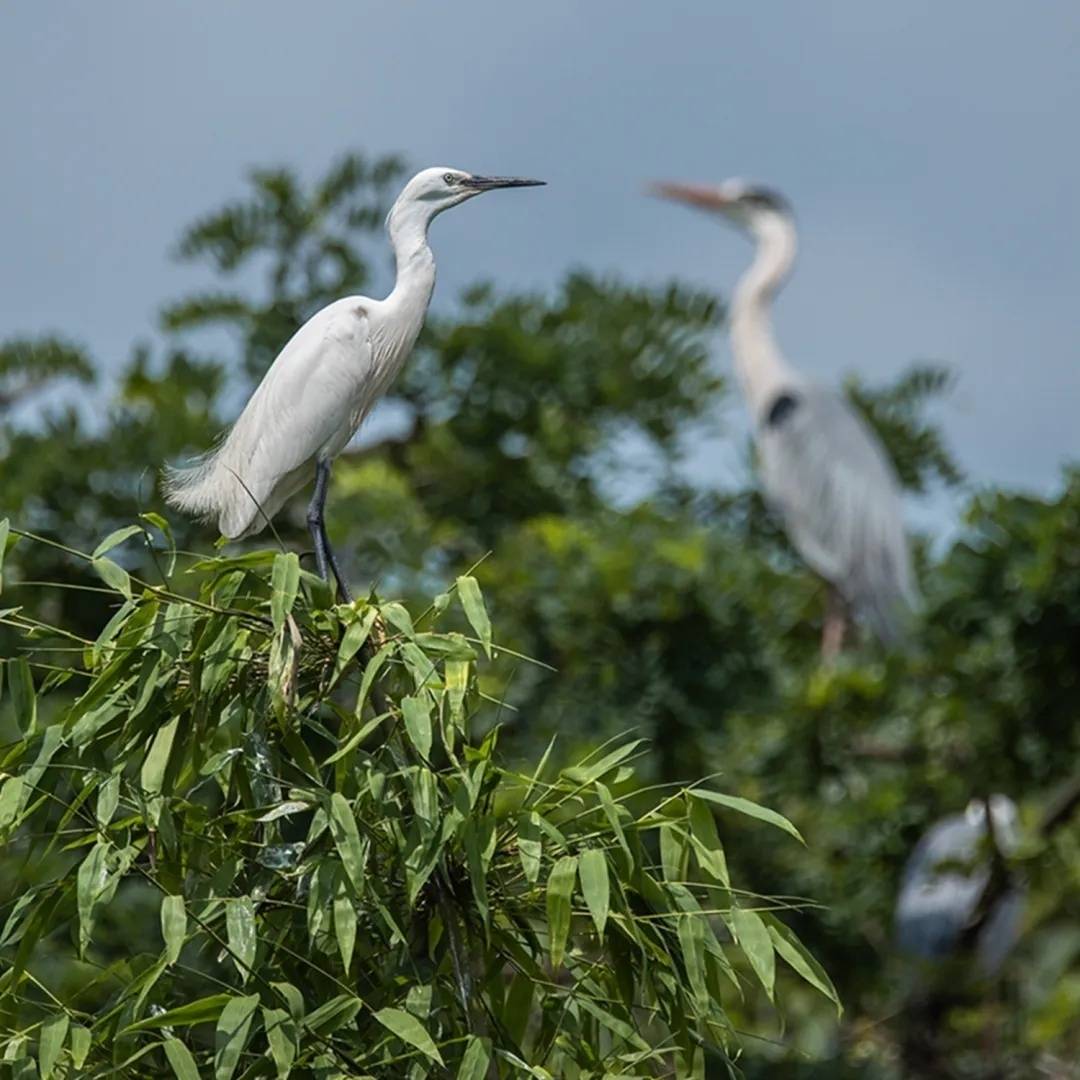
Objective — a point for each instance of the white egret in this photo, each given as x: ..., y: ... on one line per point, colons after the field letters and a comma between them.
x: 945, y: 897
x: 325, y: 381
x: 823, y: 470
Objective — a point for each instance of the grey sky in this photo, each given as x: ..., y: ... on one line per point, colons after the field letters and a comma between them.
x: 930, y: 150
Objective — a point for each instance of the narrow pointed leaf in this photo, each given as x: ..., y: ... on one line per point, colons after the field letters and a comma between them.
x: 530, y: 846
x: 750, y: 809
x: 23, y: 696
x: 173, y: 926
x: 116, y: 538
x: 560, y: 888
x: 801, y: 960
x: 473, y: 602
x: 416, y: 712
x: 51, y: 1043
x: 114, y: 575
x: 593, y: 872
x: 347, y: 839
x: 754, y: 940
x: 180, y: 1059
x: 281, y: 1036
x: 240, y: 928
x: 475, y: 1060
x: 409, y: 1029
x: 230, y: 1036
x: 284, y: 585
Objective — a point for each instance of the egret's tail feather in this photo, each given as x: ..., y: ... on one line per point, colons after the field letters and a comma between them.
x: 211, y: 490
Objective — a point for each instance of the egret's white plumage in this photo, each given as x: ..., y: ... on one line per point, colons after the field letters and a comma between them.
x: 822, y: 468
x: 945, y: 880
x: 328, y: 376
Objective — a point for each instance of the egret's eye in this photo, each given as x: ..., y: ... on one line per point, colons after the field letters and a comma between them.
x: 449, y: 178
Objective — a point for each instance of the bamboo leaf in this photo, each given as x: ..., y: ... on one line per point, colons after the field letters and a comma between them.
x: 475, y: 1060
x: 114, y: 575
x: 409, y: 1029
x: 344, y: 923
x: 51, y: 1042
x: 692, y: 944
x: 180, y: 1059
x: 347, y: 839
x: 530, y: 846
x: 750, y: 809
x: 586, y: 774
x: 281, y: 1035
x: 23, y: 696
x: 202, y: 1011
x: 416, y: 712
x: 799, y: 957
x: 240, y: 930
x: 473, y: 602
x: 80, y: 1045
x: 230, y: 1036
x: 593, y: 871
x: 284, y: 585
x: 157, y: 759
x: 754, y: 940
x: 560, y: 887
x: 707, y: 846
x: 352, y: 641
x: 107, y: 800
x: 11, y: 801
x: 91, y: 880
x: 173, y: 926
x: 336, y: 1013
x: 5, y: 532
x: 116, y: 538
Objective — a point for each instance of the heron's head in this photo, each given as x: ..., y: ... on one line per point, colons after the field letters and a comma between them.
x: 751, y: 207
x: 432, y: 191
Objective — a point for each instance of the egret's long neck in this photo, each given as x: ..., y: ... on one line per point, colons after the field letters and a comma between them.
x: 408, y: 228
x: 761, y: 368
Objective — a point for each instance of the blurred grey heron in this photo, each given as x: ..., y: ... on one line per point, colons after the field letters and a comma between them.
x: 946, y: 898
x: 823, y: 471
x: 325, y: 381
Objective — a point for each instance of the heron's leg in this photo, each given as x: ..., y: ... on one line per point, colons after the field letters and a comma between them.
x: 835, y: 625
x: 315, y: 517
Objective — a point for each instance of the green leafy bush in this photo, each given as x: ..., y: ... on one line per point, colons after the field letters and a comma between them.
x: 348, y: 881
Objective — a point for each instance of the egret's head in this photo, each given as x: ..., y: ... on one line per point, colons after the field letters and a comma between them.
x: 432, y: 191
x: 749, y: 206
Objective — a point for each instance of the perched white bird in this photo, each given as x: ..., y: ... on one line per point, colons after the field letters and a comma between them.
x: 943, y: 894
x: 823, y: 470
x: 325, y: 381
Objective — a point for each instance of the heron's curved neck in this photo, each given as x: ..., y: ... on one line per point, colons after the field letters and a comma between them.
x: 761, y: 368
x: 408, y: 228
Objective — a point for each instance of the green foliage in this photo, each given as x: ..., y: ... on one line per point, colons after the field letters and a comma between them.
x: 347, y: 879
x: 540, y: 436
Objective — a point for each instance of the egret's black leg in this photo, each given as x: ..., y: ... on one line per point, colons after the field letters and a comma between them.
x: 343, y: 590
x: 315, y: 517
x: 325, y: 560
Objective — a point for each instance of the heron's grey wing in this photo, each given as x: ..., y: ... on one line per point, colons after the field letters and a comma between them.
x: 941, y: 888
x: 827, y: 476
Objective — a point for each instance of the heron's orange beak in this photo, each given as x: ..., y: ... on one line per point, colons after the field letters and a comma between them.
x: 700, y: 195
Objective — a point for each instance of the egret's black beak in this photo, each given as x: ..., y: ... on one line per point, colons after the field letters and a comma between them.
x: 490, y: 183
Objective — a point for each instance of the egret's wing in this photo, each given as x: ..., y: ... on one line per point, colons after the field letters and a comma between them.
x: 940, y: 892
x: 827, y: 475
x: 306, y: 406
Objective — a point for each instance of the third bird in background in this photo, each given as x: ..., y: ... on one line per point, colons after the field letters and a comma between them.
x: 823, y: 470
